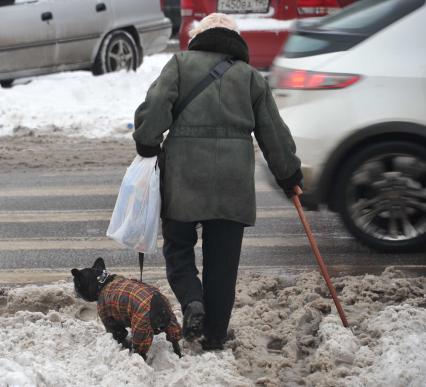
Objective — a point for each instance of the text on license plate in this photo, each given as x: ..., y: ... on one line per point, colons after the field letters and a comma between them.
x: 243, y: 6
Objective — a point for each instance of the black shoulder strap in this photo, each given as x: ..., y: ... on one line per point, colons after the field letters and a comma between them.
x: 215, y: 73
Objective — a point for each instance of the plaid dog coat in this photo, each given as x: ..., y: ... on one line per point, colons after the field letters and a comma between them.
x: 128, y: 302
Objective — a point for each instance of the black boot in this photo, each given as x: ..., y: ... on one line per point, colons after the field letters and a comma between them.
x: 209, y: 344
x: 193, y: 320
x: 212, y: 344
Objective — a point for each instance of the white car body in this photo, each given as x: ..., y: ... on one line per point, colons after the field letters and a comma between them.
x: 362, y: 144
x: 392, y: 89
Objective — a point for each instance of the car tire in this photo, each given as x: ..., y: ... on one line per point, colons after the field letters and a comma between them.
x: 118, y: 51
x: 380, y: 194
x: 6, y: 83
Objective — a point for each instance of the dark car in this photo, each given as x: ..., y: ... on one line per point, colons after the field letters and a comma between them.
x: 264, y: 24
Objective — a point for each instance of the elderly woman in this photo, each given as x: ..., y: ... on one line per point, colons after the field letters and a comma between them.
x: 207, y: 168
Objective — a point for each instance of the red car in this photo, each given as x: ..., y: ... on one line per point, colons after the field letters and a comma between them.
x: 264, y: 24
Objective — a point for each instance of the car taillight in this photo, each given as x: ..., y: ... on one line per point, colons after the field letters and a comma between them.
x: 317, y: 7
x: 282, y: 78
x: 186, y: 7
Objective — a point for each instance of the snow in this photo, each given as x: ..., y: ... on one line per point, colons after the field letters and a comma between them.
x: 69, y: 347
x: 262, y: 22
x: 247, y: 24
x: 78, y: 103
x: 396, y: 358
x: 286, y: 327
x: 399, y: 357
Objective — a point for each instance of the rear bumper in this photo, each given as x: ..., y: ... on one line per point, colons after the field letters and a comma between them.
x: 154, y: 37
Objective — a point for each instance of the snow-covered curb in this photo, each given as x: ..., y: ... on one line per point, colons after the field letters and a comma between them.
x: 78, y: 103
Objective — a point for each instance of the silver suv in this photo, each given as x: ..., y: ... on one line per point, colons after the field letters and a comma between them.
x: 45, y: 36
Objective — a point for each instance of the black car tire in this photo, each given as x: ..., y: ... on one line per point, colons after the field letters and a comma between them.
x: 386, y: 194
x: 6, y: 83
x: 118, y: 51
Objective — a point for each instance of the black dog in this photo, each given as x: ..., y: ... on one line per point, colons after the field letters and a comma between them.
x: 128, y: 303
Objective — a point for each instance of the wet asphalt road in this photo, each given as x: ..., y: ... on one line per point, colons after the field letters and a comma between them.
x: 58, y: 220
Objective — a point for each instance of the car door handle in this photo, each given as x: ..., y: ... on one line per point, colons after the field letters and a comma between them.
x: 45, y: 16
x: 100, y: 7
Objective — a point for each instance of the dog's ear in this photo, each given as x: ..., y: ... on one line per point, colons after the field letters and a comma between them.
x: 75, y: 272
x: 99, y: 264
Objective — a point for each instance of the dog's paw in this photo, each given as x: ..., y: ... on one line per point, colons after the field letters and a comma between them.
x: 126, y: 343
x: 176, y: 349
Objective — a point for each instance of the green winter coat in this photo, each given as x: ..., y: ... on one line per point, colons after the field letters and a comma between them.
x: 208, y: 166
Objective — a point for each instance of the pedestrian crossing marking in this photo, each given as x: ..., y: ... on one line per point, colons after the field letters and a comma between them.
x: 105, y: 215
x: 83, y: 190
x: 84, y: 243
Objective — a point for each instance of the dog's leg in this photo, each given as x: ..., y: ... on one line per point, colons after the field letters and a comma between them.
x: 119, y: 332
x: 142, y: 337
x: 176, y: 348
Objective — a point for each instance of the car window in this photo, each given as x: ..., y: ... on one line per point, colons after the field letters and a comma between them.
x: 16, y: 2
x: 302, y: 44
x: 4, y: 3
x: 369, y: 16
x: 347, y: 28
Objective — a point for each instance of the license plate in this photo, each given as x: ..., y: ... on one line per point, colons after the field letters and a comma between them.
x: 243, y: 6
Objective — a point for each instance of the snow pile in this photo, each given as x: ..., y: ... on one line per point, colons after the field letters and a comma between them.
x: 67, y: 346
x: 396, y: 355
x: 56, y: 350
x: 78, y: 103
x: 287, y: 333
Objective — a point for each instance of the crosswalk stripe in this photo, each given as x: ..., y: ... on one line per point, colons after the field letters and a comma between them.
x: 83, y: 190
x: 54, y: 191
x: 105, y: 215
x: 53, y: 216
x: 16, y: 244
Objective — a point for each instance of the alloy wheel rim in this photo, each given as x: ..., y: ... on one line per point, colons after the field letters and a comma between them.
x: 120, y: 56
x: 386, y: 197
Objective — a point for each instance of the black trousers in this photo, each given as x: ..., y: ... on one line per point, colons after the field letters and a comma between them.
x: 221, y: 254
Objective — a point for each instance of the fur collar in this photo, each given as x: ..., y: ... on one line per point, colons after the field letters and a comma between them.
x: 221, y: 40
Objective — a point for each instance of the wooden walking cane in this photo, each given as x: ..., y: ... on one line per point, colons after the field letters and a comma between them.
x: 314, y: 246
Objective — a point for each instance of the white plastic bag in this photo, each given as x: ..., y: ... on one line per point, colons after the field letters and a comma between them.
x: 136, y: 216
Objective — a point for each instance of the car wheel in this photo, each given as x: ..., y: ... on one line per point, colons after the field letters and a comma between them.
x: 7, y: 83
x: 381, y: 196
x: 118, y: 51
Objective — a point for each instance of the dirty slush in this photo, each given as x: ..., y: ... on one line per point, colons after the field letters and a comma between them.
x: 287, y: 333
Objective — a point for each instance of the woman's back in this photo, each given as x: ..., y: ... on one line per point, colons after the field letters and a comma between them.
x: 208, y: 157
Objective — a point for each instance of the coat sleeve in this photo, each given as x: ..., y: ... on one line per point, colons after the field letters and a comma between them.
x: 154, y: 116
x: 273, y: 136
